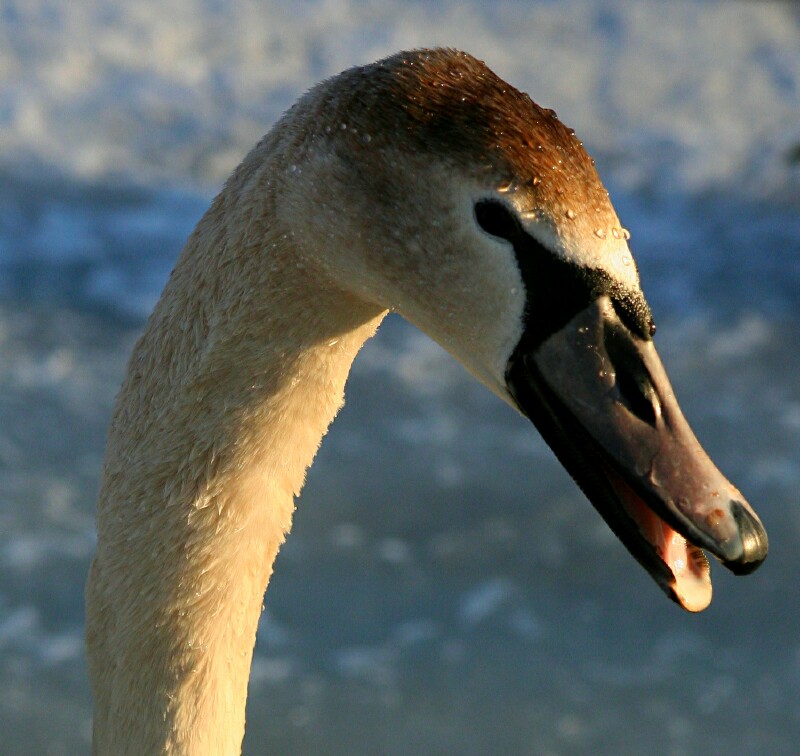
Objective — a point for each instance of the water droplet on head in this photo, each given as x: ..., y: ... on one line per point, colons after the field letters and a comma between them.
x: 367, y: 138
x: 570, y: 214
x: 600, y: 233
x: 625, y: 233
x: 615, y: 233
x: 626, y: 260
x: 343, y: 127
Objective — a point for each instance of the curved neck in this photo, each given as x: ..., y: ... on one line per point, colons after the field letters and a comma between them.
x: 236, y: 378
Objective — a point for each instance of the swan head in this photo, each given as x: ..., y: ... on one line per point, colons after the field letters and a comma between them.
x: 435, y: 189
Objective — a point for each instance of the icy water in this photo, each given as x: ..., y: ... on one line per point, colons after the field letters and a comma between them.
x: 446, y: 587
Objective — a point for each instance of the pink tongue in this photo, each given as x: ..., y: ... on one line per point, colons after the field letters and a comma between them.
x: 688, y: 564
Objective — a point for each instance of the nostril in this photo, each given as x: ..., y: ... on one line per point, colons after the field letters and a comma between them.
x: 635, y: 396
x: 633, y: 380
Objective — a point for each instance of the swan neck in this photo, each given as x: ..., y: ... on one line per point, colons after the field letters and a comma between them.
x: 235, y: 380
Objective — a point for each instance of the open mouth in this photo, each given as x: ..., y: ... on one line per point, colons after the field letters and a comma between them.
x: 690, y: 581
x: 601, y: 399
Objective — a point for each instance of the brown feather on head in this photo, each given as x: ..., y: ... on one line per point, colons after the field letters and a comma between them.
x: 452, y: 106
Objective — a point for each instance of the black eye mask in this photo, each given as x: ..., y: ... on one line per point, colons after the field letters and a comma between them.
x: 556, y: 289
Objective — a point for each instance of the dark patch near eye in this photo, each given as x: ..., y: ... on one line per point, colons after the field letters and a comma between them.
x: 495, y: 219
x: 557, y: 289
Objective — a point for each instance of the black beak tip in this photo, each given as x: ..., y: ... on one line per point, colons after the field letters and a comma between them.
x: 754, y: 541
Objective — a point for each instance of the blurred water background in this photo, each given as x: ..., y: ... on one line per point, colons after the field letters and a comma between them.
x: 446, y: 589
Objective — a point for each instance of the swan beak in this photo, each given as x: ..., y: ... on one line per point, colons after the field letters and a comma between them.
x: 599, y: 395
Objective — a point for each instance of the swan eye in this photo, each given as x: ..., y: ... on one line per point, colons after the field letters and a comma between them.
x: 497, y: 220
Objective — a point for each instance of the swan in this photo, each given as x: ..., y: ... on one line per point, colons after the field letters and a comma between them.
x: 422, y: 184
